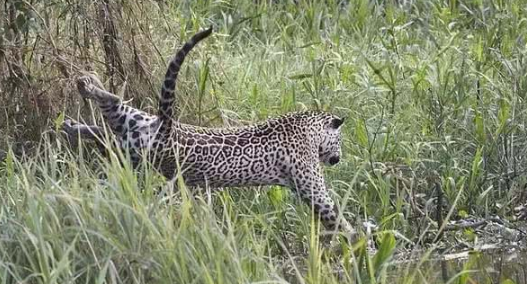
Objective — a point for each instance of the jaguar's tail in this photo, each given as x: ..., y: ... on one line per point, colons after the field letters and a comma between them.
x: 167, y: 96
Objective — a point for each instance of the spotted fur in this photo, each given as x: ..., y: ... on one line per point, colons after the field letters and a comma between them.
x: 286, y: 151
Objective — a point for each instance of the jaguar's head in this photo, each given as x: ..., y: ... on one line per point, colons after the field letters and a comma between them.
x: 329, y: 148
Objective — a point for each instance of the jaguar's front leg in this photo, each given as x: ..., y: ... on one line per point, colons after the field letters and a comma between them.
x: 309, y: 183
x: 84, y: 131
x: 77, y: 131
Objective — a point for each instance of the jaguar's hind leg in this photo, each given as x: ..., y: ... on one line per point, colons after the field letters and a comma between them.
x: 90, y: 87
x: 123, y: 119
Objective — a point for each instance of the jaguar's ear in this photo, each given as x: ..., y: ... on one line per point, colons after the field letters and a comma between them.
x: 337, y: 122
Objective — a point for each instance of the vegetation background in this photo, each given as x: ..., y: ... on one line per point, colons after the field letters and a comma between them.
x: 434, y: 92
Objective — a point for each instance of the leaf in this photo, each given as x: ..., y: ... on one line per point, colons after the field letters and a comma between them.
x: 300, y: 76
x: 478, y: 49
x: 59, y: 121
x: 10, y: 164
x: 503, y: 115
x: 253, y: 97
x: 480, y: 127
x: 469, y: 234
x: 475, y: 170
x: 122, y: 90
x: 203, y: 77
x: 361, y: 133
x: 276, y: 195
x: 21, y: 21
x: 385, y: 251
x: 310, y: 44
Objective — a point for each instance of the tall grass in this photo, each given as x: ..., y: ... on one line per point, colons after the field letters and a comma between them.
x: 433, y: 90
x: 62, y: 224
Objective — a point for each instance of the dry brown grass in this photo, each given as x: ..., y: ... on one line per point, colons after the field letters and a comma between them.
x: 46, y: 45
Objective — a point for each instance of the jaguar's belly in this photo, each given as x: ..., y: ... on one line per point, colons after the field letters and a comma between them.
x: 233, y: 175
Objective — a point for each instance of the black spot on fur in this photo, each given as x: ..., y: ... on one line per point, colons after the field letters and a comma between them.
x: 218, y: 139
x: 173, y: 67
x: 170, y: 84
x: 230, y: 142
x: 164, y: 105
x: 242, y: 142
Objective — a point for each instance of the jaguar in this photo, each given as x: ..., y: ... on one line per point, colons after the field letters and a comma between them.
x: 285, y: 151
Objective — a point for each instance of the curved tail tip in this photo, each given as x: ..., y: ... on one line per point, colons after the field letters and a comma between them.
x: 203, y: 33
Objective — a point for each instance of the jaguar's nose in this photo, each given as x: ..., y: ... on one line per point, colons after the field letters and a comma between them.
x: 334, y: 160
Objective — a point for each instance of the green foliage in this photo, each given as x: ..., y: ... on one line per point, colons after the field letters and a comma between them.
x: 433, y: 92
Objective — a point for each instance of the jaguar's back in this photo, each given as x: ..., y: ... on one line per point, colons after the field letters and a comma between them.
x: 261, y: 154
